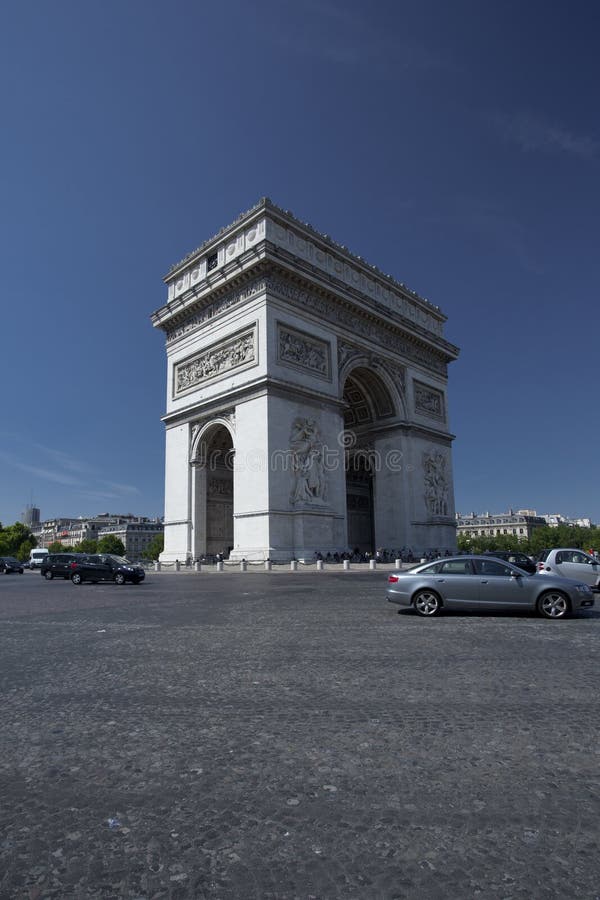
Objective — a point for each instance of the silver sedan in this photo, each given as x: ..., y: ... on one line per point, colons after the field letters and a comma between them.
x: 483, y: 582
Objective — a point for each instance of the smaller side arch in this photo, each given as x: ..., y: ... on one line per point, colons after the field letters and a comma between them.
x: 203, y: 435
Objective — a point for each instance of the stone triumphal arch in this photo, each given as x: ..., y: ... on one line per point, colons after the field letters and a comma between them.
x: 306, y: 400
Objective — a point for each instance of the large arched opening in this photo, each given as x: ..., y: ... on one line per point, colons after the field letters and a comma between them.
x: 367, y: 402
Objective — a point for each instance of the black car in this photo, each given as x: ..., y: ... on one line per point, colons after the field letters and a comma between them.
x: 105, y: 567
x: 10, y: 564
x: 521, y: 560
x: 58, y: 565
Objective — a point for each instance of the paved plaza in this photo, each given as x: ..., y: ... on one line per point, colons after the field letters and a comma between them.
x: 291, y: 736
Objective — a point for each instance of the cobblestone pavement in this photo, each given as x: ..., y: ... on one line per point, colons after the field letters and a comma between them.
x: 268, y: 736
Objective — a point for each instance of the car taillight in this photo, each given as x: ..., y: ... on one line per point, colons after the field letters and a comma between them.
x: 393, y: 578
x: 72, y: 565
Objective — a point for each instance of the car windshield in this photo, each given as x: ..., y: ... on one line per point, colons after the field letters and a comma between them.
x: 120, y: 560
x: 11, y: 559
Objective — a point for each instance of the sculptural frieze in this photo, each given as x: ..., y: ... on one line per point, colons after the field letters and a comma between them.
x: 296, y: 348
x: 215, y: 361
x: 428, y: 401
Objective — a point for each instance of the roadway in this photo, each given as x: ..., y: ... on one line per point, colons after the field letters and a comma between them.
x: 290, y: 736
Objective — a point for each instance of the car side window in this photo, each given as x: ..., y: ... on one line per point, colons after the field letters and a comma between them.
x: 456, y: 567
x: 433, y: 569
x: 579, y: 558
x: 491, y: 567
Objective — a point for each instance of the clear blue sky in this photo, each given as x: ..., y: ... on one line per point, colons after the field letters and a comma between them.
x: 454, y: 145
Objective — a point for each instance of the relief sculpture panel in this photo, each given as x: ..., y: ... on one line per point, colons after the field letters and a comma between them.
x: 234, y: 353
x: 297, y: 349
x: 428, y: 401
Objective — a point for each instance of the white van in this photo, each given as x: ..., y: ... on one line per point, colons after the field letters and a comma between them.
x: 37, y: 557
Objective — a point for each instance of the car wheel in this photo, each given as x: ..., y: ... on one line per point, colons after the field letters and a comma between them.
x: 427, y: 603
x: 48, y: 575
x: 76, y: 578
x: 119, y: 578
x: 553, y: 605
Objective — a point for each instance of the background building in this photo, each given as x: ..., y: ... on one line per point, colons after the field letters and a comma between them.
x: 30, y: 516
x: 556, y: 519
x: 521, y: 524
x: 135, y: 535
x: 136, y: 532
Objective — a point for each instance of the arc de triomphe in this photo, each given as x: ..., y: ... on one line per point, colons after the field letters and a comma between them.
x: 306, y: 400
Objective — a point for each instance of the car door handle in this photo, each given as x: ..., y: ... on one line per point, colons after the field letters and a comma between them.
x: 485, y: 581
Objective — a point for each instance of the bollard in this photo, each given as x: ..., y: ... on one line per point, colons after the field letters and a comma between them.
x: 372, y: 564
x: 423, y: 559
x: 398, y: 563
x: 219, y: 567
x: 177, y: 565
x: 346, y: 565
x: 319, y: 565
x: 293, y: 565
x: 198, y: 566
x: 243, y: 565
x: 156, y: 565
x: 268, y: 565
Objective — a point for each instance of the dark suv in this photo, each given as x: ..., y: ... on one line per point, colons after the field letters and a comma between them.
x: 105, y: 567
x: 58, y: 565
x: 521, y: 560
x: 10, y: 564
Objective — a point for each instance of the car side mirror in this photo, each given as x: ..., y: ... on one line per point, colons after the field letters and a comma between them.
x: 515, y: 574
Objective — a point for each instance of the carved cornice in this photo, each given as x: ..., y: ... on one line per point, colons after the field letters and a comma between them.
x: 214, y: 308
x: 333, y: 310
x: 286, y: 218
x: 268, y: 230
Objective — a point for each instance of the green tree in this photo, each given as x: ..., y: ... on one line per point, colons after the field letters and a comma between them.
x: 155, y: 547
x: 56, y: 547
x: 13, y: 536
x: 110, y: 543
x: 24, y: 550
x: 89, y: 546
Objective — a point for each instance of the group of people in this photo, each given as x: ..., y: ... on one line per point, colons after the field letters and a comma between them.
x: 383, y: 555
